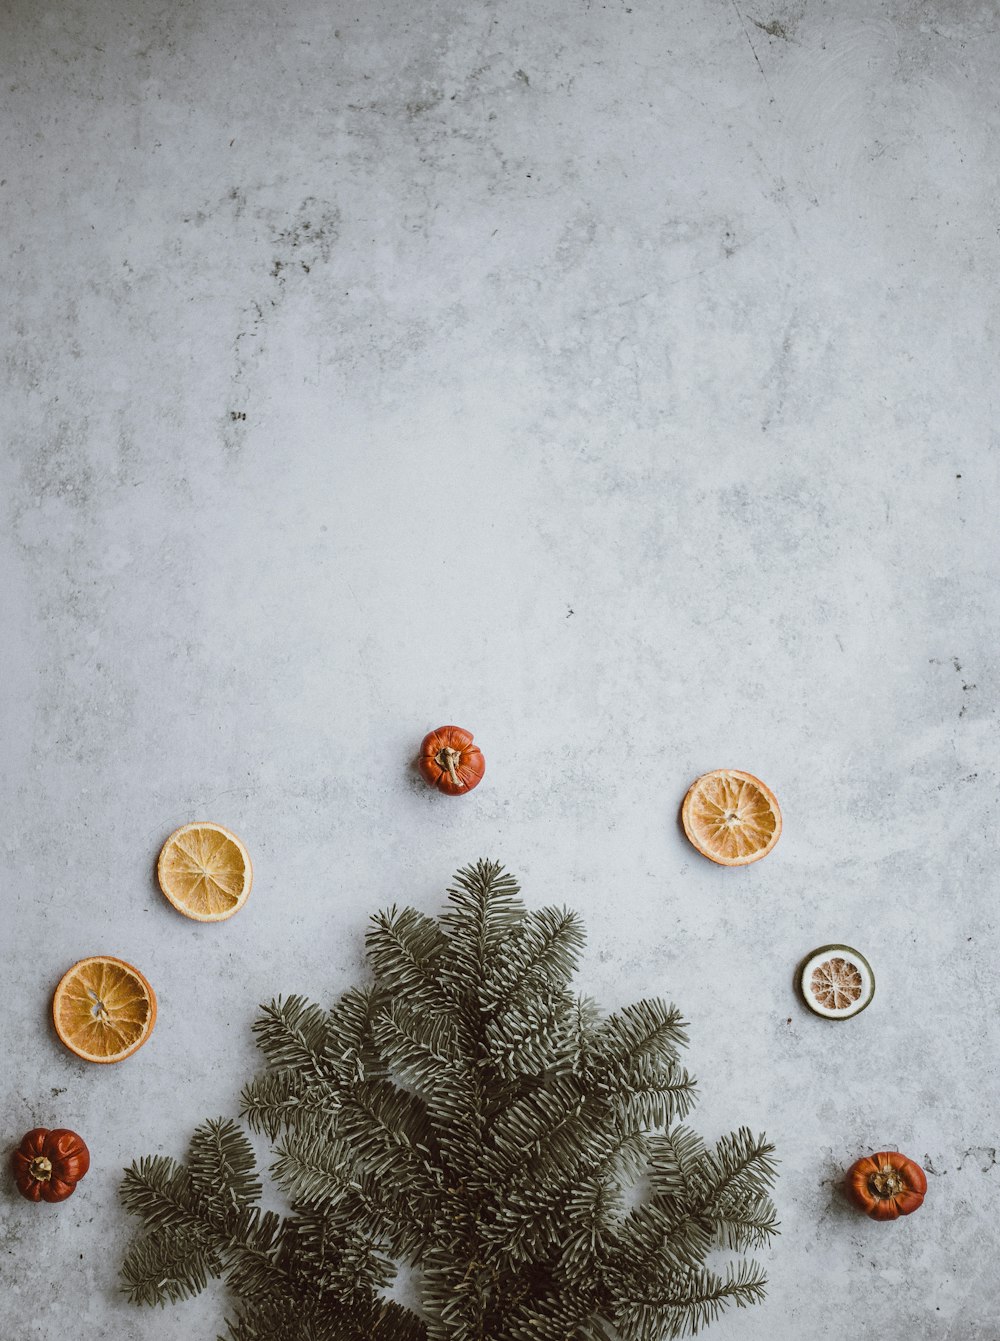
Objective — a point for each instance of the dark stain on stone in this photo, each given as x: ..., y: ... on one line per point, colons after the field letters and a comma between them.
x: 774, y: 28
x: 314, y: 233
x: 426, y: 104
x: 298, y: 246
x: 966, y: 688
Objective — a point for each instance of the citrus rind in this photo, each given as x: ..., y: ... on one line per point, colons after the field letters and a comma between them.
x: 731, y: 817
x: 837, y: 982
x: 205, y: 872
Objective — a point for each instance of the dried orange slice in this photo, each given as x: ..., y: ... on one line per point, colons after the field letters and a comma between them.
x: 731, y: 817
x: 103, y: 1009
x: 837, y: 982
x: 205, y: 872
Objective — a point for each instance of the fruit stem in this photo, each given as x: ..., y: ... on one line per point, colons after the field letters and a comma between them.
x: 447, y: 758
x: 885, y: 1184
x: 40, y: 1169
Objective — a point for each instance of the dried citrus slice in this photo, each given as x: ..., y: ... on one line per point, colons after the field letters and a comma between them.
x: 837, y: 982
x: 103, y: 1009
x: 731, y: 817
x: 205, y: 872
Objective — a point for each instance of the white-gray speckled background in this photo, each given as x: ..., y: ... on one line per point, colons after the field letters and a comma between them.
x: 616, y: 379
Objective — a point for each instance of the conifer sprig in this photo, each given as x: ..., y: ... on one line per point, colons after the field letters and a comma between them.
x: 468, y: 1114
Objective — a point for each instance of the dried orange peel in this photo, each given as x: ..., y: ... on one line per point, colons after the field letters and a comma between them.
x: 205, y: 872
x: 103, y: 1009
x: 731, y: 817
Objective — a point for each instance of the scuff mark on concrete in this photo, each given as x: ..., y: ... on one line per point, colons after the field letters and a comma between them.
x: 984, y: 1155
x: 297, y: 248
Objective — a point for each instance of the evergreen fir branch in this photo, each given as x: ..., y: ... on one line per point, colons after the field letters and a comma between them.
x: 593, y: 1197
x: 594, y: 1211
x: 543, y: 1119
x: 320, y: 1319
x: 328, y: 1248
x: 653, y: 1094
x: 647, y: 1029
x: 740, y: 1168
x: 222, y: 1166
x: 485, y: 909
x: 498, y: 1164
x: 313, y: 1171
x: 350, y: 1043
x: 674, y: 1159
x: 401, y: 1224
x: 390, y: 1321
x: 292, y: 1033
x: 457, y: 1294
x: 585, y: 1201
x: 522, y: 1227
x: 746, y: 1226
x: 404, y: 950
x: 555, y: 1315
x: 684, y: 1303
x: 656, y: 1240
x: 523, y: 1039
x: 249, y: 1255
x: 159, y: 1190
x: 388, y: 1131
x: 541, y: 956
x: 202, y: 1234
x: 418, y: 1047
x: 282, y: 1099
x: 744, y: 1163
x: 324, y: 1178
x: 575, y: 1038
x: 456, y: 1111
x: 621, y: 1154
x: 166, y: 1267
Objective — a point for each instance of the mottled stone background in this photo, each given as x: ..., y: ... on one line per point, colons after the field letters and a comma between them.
x: 615, y: 379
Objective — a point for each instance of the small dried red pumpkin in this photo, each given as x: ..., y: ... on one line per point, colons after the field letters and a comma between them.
x: 49, y: 1164
x: 887, y: 1185
x: 450, y: 762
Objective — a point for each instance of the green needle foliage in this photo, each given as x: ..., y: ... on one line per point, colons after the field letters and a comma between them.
x: 469, y: 1116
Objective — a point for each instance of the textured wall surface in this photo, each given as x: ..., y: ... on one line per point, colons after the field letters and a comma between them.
x: 615, y: 379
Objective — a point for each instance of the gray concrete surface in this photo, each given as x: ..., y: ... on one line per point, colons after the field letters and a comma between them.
x: 616, y: 379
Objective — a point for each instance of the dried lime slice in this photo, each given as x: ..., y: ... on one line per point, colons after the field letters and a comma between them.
x: 837, y: 982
